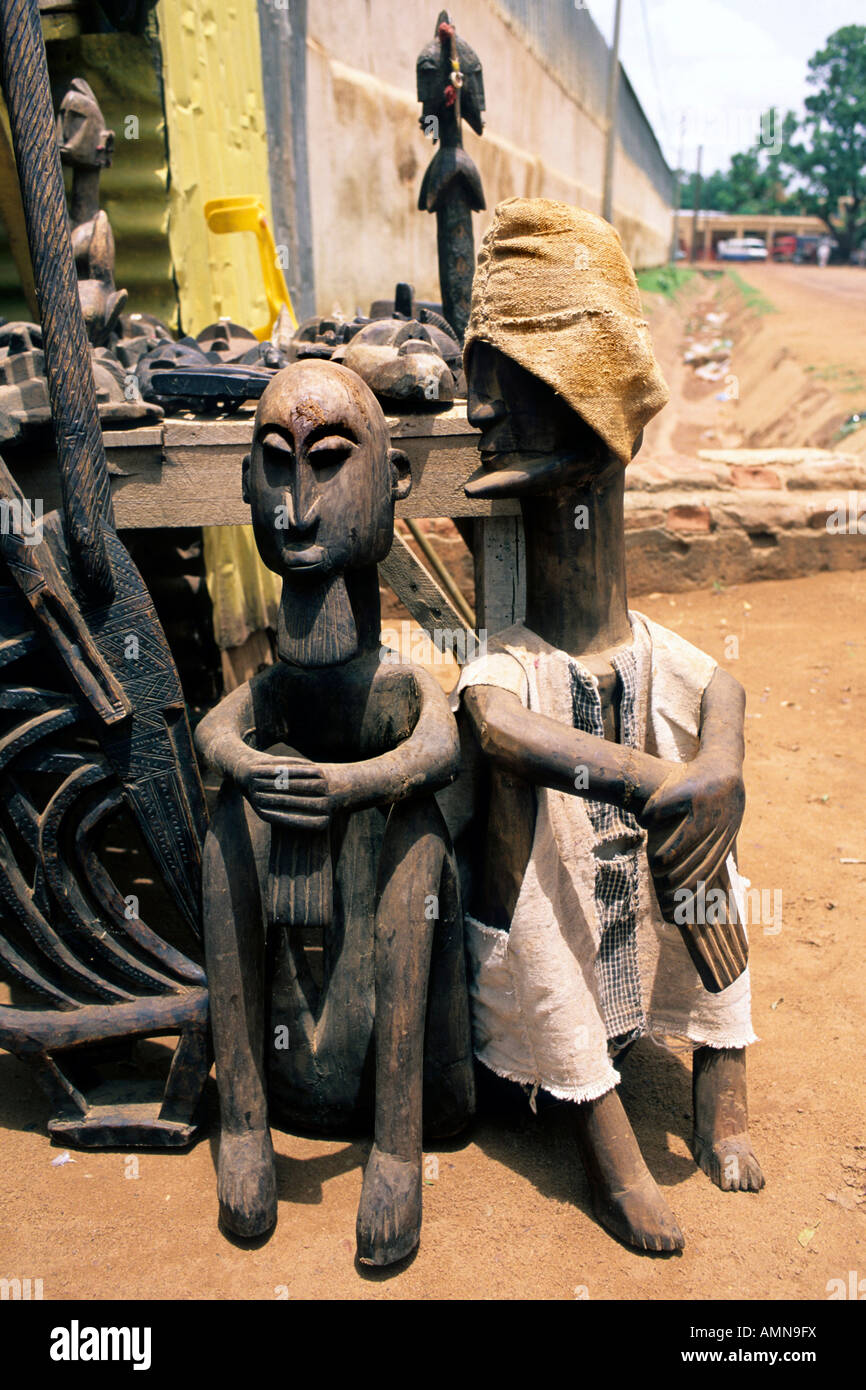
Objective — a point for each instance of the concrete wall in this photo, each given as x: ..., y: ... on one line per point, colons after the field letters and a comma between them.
x: 545, y: 85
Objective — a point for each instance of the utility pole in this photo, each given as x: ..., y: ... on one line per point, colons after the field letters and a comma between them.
x: 612, y: 94
x: 675, y: 239
x: 697, y: 204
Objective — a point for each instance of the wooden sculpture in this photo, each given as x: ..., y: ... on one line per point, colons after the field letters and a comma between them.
x: 314, y: 752
x: 451, y: 90
x: 93, y: 722
x: 87, y: 147
x: 614, y: 748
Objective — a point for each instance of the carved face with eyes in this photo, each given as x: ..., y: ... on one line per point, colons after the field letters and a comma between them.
x: 81, y: 132
x: 321, y: 479
x: 531, y: 440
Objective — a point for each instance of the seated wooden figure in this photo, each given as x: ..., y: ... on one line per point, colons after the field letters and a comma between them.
x: 299, y: 838
x: 614, y: 748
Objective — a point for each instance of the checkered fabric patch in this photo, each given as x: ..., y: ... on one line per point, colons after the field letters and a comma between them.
x: 618, y: 843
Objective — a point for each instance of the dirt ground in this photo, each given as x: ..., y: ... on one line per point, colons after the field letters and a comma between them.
x: 797, y: 361
x: 506, y: 1209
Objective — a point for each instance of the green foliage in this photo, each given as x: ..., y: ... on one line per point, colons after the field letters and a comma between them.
x: 815, y: 166
x: 665, y: 279
x: 832, y: 159
x: 753, y: 297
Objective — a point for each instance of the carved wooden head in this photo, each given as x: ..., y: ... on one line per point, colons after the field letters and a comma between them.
x: 81, y: 132
x: 556, y: 340
x: 532, y: 440
x: 321, y: 478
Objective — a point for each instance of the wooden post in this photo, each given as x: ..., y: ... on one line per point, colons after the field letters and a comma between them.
x: 612, y: 94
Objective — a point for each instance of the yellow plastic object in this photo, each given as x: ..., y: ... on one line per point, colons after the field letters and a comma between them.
x: 247, y: 214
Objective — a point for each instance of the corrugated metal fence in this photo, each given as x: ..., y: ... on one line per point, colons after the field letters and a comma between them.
x: 122, y: 71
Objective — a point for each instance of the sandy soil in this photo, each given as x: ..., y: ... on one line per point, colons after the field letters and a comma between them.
x: 506, y: 1209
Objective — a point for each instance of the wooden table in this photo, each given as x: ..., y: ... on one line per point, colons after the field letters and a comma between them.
x: 187, y: 472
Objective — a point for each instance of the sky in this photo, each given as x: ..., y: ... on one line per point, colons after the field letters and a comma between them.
x: 704, y: 70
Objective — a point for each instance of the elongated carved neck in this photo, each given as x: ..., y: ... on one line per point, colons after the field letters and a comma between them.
x: 328, y: 622
x: 84, y: 196
x: 575, y: 566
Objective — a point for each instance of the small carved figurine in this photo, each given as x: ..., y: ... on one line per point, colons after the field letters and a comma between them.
x: 614, y: 748
x: 87, y: 146
x: 314, y: 752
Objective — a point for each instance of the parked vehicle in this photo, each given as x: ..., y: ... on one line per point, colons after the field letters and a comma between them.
x: 747, y: 248
x: 785, y: 247
x: 807, y: 249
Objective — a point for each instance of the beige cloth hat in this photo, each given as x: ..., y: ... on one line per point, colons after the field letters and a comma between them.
x: 554, y: 291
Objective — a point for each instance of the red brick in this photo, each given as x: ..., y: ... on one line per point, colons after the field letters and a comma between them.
x: 643, y: 520
x: 688, y: 517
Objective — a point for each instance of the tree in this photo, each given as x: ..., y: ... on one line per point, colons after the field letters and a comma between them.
x: 824, y: 170
x: 756, y: 180
x: 832, y: 160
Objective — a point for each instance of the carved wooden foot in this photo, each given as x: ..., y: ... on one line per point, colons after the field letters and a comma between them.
x: 246, y: 1183
x: 625, y: 1198
x: 730, y: 1162
x: 389, y: 1213
x: 721, y: 1143
x: 638, y: 1215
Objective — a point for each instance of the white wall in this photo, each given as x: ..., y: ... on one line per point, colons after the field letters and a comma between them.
x: 367, y: 153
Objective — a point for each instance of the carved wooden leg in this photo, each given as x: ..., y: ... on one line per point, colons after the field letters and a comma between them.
x: 234, y: 940
x: 449, y: 1064
x: 321, y: 1080
x: 625, y: 1197
x: 721, y: 1142
x: 410, y: 882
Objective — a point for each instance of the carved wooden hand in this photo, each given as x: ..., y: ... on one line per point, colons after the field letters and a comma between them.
x: 288, y: 791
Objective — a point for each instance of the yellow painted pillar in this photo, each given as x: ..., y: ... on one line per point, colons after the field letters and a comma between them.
x: 217, y: 148
x: 217, y: 144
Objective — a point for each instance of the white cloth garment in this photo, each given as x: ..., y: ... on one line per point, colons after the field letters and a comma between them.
x: 538, y: 1012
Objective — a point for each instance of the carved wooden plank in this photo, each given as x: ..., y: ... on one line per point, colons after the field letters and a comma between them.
x: 500, y: 572
x: 187, y: 472
x: 428, y: 604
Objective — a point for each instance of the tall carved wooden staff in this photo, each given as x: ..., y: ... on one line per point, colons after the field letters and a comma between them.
x: 90, y: 610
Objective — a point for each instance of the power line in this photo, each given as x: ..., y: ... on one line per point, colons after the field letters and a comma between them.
x: 654, y: 71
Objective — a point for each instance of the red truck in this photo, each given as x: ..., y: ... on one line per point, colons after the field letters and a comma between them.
x: 784, y: 247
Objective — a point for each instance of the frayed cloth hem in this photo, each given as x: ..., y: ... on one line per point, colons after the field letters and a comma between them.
x: 577, y: 1094
x: 671, y: 1040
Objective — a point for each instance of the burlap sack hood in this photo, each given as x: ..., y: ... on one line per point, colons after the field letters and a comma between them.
x: 554, y: 291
